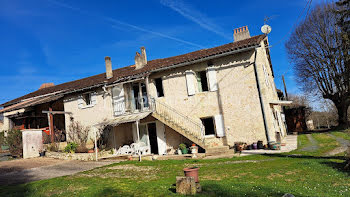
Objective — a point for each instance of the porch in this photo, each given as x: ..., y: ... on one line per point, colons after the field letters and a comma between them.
x: 141, y: 134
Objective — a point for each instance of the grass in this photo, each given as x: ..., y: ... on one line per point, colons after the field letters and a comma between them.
x: 305, y: 174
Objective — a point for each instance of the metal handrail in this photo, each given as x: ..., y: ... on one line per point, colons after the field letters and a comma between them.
x: 183, y: 121
x: 186, y: 123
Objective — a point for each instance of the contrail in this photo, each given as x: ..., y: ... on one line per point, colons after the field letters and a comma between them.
x: 195, y: 16
x: 115, y: 21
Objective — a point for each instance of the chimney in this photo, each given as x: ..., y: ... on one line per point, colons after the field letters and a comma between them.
x: 46, y: 85
x: 109, y: 72
x: 241, y: 33
x: 141, y: 59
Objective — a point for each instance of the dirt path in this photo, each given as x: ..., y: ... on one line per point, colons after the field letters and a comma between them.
x: 313, y: 146
x: 16, y: 172
x: 343, y: 145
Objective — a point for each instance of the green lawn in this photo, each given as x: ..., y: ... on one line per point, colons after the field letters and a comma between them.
x: 300, y: 173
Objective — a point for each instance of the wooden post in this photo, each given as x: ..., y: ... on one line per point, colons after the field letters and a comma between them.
x: 138, y: 131
x: 96, y: 144
x: 51, y: 128
x: 140, y: 100
x: 285, y: 87
x: 147, y: 91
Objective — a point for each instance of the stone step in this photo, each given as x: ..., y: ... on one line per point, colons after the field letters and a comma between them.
x: 219, y: 149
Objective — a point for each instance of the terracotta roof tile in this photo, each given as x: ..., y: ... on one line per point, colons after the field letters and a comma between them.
x: 130, y: 71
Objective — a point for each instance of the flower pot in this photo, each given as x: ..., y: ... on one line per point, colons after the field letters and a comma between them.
x: 193, y: 172
x: 194, y: 149
x: 184, y: 151
x: 179, y: 152
x: 91, y: 151
x: 255, y: 146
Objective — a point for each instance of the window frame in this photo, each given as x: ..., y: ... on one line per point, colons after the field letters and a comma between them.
x: 200, y: 75
x: 214, y: 126
x: 160, y: 90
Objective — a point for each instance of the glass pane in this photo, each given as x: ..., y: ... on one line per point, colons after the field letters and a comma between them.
x: 143, y: 134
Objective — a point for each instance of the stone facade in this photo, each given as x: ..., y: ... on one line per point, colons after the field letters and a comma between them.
x: 236, y: 99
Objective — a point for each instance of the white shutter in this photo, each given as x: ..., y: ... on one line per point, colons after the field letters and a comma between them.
x: 80, y: 102
x: 211, y: 75
x: 161, y: 138
x: 190, y: 82
x: 118, y: 99
x: 219, y: 124
x: 93, y: 98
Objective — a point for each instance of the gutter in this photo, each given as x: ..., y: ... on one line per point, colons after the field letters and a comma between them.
x: 206, y: 58
x: 261, y: 99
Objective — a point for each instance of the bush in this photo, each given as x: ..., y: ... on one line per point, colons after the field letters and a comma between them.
x: 81, y: 149
x: 2, y: 138
x: 14, y: 141
x: 78, y: 133
x: 182, y: 146
x: 71, y: 147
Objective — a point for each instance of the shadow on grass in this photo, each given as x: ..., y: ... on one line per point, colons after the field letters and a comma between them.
x: 326, y: 160
x: 214, y: 189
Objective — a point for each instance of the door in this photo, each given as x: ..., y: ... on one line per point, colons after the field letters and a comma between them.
x: 152, y: 132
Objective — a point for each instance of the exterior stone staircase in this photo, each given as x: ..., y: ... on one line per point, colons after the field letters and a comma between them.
x: 185, y: 126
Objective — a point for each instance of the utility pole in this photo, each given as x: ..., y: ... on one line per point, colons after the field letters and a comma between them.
x: 285, y: 87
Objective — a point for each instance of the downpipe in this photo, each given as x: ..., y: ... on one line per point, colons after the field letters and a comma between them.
x: 261, y: 98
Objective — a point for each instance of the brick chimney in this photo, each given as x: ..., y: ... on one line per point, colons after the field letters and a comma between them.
x: 46, y: 85
x: 109, y: 71
x: 241, y: 33
x: 141, y: 59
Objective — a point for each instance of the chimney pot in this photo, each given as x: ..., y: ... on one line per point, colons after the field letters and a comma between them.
x: 141, y: 59
x: 241, y: 33
x: 109, y: 71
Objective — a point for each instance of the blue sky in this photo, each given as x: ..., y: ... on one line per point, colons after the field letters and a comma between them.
x: 59, y: 40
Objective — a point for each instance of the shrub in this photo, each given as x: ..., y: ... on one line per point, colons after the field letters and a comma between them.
x: 14, y: 141
x: 2, y: 138
x: 53, y: 147
x: 77, y: 133
x: 71, y: 147
x: 182, y: 146
x: 81, y: 149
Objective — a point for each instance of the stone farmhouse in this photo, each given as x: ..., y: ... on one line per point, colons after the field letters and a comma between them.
x: 212, y: 97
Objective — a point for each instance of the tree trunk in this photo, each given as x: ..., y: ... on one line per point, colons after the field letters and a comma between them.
x: 343, y: 114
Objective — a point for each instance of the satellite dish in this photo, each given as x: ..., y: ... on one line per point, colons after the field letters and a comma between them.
x: 266, y: 29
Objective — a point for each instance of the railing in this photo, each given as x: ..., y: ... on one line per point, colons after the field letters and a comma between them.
x: 174, y: 116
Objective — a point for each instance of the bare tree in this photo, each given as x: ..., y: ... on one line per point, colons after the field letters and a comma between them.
x: 315, y: 48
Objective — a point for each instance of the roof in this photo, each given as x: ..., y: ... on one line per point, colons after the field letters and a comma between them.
x: 130, y: 71
x: 31, y: 102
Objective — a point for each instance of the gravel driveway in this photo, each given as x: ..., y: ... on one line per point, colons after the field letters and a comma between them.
x: 28, y: 170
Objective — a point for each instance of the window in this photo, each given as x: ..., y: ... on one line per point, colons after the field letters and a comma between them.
x: 202, y: 81
x: 208, y: 126
x: 87, y: 99
x: 159, y: 87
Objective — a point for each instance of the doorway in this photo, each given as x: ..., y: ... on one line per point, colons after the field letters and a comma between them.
x: 152, y: 132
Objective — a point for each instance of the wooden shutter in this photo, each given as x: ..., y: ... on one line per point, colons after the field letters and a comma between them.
x: 190, y: 82
x: 219, y: 124
x: 211, y: 73
x: 80, y: 102
x: 118, y: 99
x: 161, y: 138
